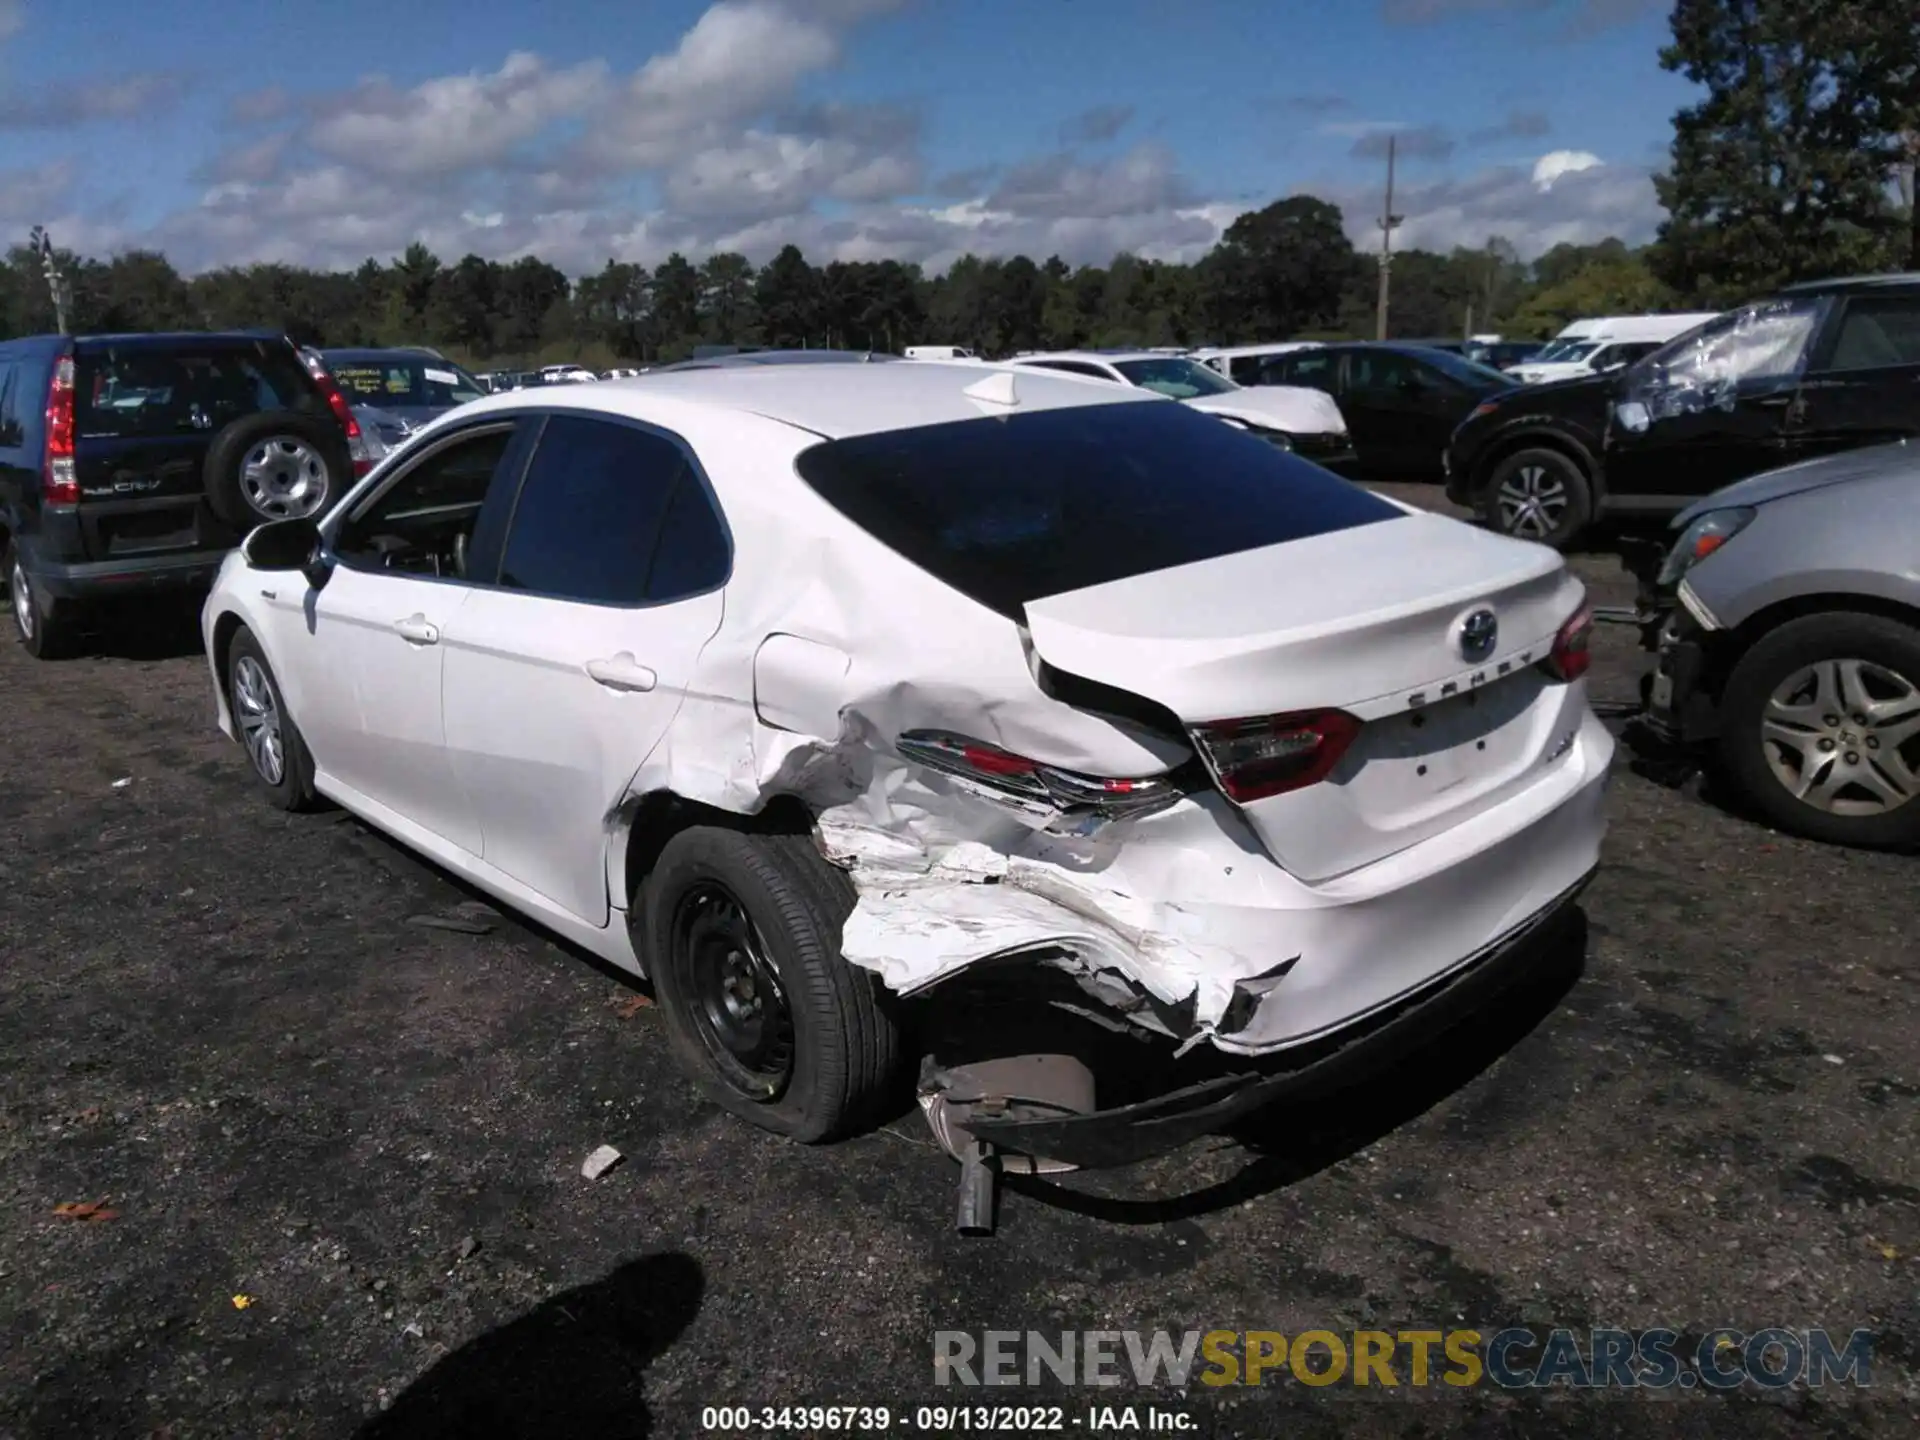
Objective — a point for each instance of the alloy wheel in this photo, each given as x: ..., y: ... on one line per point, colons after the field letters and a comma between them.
x: 284, y: 478
x: 1532, y: 502
x: 1841, y: 735
x: 22, y: 597
x: 739, y: 1008
x: 256, y: 710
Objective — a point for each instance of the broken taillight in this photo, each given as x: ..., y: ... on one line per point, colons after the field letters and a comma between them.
x: 1571, y: 655
x: 1032, y: 785
x: 1268, y: 755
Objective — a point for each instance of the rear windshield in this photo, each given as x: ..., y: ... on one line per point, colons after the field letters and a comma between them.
x: 1011, y: 510
x: 146, y: 391
x: 403, y: 382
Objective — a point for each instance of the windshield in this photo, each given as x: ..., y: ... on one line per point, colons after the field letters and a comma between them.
x: 1181, y: 379
x: 1008, y: 510
x: 1554, y: 350
x: 404, y: 381
x: 1577, y: 351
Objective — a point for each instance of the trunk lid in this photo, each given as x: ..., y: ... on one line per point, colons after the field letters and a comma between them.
x: 1361, y: 620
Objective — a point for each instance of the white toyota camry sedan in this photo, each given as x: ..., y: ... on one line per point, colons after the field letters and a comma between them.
x: 811, y: 693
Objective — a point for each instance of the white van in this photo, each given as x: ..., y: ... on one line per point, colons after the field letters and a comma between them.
x: 1593, y: 347
x: 940, y: 352
x: 1240, y: 363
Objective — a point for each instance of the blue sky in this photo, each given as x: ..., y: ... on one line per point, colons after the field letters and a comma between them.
x: 580, y: 129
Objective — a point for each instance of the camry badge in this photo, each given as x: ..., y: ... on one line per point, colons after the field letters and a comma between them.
x: 1479, y: 633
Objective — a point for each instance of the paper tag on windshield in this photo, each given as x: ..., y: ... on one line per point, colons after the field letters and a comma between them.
x: 443, y: 377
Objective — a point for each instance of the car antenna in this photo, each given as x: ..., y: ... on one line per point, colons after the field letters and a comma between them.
x: 996, y: 389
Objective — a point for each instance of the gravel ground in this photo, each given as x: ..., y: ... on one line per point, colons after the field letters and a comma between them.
x: 343, y: 1148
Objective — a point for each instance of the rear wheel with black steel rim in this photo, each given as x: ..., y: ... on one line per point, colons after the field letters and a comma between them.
x: 1821, y: 729
x: 740, y: 935
x: 1538, y: 494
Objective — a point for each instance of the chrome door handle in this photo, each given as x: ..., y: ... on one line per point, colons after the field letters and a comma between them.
x: 418, y: 630
x: 622, y: 672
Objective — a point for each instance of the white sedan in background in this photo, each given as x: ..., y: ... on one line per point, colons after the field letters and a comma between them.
x: 814, y: 693
x: 1293, y: 417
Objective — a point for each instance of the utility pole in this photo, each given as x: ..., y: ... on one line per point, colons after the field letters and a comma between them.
x: 41, y: 244
x: 1388, y: 223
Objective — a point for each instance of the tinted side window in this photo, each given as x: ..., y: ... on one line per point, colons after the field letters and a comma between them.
x: 10, y: 428
x: 1315, y: 371
x: 1378, y: 373
x: 1242, y: 369
x: 423, y: 523
x: 591, y: 510
x: 1875, y: 334
x: 692, y: 555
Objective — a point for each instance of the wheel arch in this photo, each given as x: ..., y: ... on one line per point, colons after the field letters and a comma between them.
x: 1731, y: 645
x: 229, y: 625
x: 645, y: 822
x: 1536, y: 438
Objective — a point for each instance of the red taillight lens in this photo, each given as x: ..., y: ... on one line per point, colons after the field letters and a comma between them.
x: 59, y: 484
x: 1571, y: 656
x: 1272, y: 754
x: 1031, y: 786
x: 336, y: 399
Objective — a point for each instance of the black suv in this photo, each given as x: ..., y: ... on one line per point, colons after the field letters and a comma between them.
x: 133, y: 463
x: 1822, y: 367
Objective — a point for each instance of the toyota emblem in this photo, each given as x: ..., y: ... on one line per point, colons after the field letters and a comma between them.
x: 1479, y: 633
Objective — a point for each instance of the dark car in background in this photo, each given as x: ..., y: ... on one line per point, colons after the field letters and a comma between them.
x: 1401, y: 400
x: 414, y: 386
x: 1823, y: 367
x: 133, y: 463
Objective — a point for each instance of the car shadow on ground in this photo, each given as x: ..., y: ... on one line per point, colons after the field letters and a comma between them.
x: 1291, y: 1142
x: 166, y: 629
x: 575, y: 1365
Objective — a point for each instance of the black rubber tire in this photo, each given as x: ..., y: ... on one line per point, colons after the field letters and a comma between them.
x: 847, y: 1046
x: 1832, y: 636
x: 295, y: 791
x: 49, y: 629
x: 228, y: 452
x: 1579, y: 509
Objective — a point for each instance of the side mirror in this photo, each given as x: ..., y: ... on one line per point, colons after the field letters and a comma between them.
x: 289, y: 545
x: 1633, y: 417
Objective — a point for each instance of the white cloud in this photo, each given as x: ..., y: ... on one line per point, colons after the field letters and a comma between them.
x: 456, y: 122
x: 1555, y: 163
x: 717, y: 143
x: 1583, y: 200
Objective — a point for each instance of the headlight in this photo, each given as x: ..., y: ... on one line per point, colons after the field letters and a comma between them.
x: 1701, y: 539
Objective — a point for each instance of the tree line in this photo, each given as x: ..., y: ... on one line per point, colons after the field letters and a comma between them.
x: 1797, y: 163
x: 1283, y: 271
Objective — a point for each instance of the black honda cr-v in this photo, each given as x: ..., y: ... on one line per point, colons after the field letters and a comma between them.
x: 133, y: 463
x: 1822, y: 367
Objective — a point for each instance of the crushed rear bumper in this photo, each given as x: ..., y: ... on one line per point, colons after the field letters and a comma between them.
x: 1152, y: 1127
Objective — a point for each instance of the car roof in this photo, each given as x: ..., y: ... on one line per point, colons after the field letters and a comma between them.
x: 1842, y: 284
x: 1104, y: 356
x: 832, y: 401
x: 775, y: 357
x: 165, y: 339
x: 1275, y: 347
